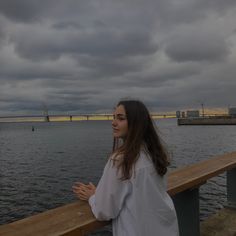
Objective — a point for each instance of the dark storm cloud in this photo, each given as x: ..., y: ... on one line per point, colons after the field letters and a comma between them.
x: 112, y: 66
x: 197, y: 46
x: 23, y: 10
x: 33, y: 11
x: 41, y: 45
x: 2, y: 31
x: 177, y: 12
x: 218, y: 5
x: 67, y: 25
x: 82, y: 56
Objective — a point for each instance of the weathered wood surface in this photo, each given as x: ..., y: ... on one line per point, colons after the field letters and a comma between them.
x: 197, y: 174
x: 76, y: 219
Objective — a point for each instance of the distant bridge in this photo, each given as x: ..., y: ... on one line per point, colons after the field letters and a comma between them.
x: 47, y: 118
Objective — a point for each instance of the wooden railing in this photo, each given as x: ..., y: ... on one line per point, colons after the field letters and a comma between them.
x: 76, y: 219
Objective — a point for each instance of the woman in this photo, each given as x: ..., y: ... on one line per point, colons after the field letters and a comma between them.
x: 132, y: 189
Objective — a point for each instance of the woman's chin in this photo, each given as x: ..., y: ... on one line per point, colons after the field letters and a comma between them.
x: 117, y: 135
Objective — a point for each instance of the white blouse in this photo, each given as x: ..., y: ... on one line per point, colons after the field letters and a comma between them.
x: 139, y: 206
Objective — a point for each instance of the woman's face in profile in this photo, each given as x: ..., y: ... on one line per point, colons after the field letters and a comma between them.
x: 120, y: 122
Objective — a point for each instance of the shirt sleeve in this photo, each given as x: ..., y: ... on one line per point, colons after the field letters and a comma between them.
x: 110, y: 194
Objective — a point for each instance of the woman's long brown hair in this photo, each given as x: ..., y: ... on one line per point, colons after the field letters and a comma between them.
x: 141, y: 133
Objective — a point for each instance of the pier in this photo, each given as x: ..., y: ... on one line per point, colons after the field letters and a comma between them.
x: 210, y: 120
x: 76, y: 219
x: 193, y: 117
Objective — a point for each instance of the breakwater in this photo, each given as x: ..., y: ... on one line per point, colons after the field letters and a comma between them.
x: 216, y: 120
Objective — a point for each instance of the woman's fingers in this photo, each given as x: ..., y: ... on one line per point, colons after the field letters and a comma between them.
x: 76, y: 187
x: 83, y: 191
x: 78, y: 190
x: 81, y: 194
x: 79, y: 184
x: 92, y: 186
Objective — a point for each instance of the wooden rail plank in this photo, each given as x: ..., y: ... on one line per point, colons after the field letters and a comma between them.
x: 76, y: 219
x: 69, y: 220
x: 197, y: 174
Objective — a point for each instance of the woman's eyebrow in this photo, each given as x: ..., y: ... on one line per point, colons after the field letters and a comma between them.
x: 120, y: 115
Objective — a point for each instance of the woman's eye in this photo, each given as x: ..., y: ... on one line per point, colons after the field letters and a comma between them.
x: 121, y: 118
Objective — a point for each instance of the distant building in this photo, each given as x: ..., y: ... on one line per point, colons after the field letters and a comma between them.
x: 178, y: 114
x: 193, y: 113
x: 232, y: 111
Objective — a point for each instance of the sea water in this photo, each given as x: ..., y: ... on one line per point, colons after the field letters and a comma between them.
x: 38, y: 168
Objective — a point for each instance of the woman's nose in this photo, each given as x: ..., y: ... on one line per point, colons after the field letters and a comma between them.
x: 114, y: 122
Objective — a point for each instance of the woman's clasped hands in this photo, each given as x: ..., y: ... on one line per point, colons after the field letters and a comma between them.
x: 84, y: 191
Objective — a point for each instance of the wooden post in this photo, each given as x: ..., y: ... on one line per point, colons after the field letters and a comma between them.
x: 231, y: 188
x: 187, y: 209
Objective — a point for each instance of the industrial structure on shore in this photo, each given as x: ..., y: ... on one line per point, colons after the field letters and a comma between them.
x: 193, y: 117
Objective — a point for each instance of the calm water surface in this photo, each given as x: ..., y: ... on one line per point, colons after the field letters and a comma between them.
x: 37, y: 169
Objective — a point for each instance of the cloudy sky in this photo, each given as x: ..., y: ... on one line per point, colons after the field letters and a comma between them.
x: 75, y: 56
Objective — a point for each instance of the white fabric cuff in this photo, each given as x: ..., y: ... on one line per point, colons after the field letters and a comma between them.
x: 91, y: 200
